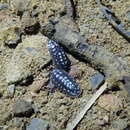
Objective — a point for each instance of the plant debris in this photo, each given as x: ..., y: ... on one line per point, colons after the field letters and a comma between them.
x: 114, y: 21
x: 88, y: 105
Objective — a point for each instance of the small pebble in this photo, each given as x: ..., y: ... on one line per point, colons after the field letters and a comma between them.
x: 3, y: 6
x: 103, y: 121
x: 22, y: 108
x: 29, y: 99
x: 16, y: 122
x: 5, y: 127
x: 74, y: 71
x: 110, y: 102
x: 11, y: 89
x: 37, y: 85
x: 38, y: 124
x: 128, y: 15
x: 96, y: 80
x: 119, y: 124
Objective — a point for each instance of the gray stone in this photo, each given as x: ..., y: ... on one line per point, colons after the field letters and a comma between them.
x: 30, y: 25
x: 29, y: 56
x: 13, y: 43
x: 11, y: 89
x: 103, y: 121
x: 22, y: 108
x: 5, y: 127
x: 96, y: 80
x: 127, y: 83
x: 3, y: 6
x: 26, y: 19
x: 19, y: 5
x: 10, y: 33
x: 128, y: 15
x: 119, y: 124
x: 16, y: 122
x: 38, y: 124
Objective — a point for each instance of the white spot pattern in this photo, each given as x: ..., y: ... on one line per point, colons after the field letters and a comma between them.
x: 59, y: 57
x: 65, y: 83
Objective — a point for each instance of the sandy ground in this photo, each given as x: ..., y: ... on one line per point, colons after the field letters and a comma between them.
x: 57, y: 108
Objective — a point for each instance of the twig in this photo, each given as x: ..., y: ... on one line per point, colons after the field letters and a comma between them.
x: 114, y: 21
x: 80, y: 115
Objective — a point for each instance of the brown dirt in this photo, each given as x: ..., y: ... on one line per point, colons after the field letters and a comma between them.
x: 57, y: 108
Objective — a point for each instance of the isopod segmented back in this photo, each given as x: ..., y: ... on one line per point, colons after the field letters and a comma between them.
x: 65, y: 83
x: 59, y: 58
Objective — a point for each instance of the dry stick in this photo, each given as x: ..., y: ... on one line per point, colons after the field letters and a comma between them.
x: 79, y: 116
x: 113, y: 20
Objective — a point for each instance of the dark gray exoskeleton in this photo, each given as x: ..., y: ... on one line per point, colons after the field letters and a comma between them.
x: 65, y: 83
x: 59, y: 58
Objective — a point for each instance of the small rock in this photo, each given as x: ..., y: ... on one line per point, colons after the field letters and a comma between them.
x: 103, y: 121
x: 3, y: 6
x: 127, y: 84
x: 22, y: 108
x: 96, y: 80
x: 34, y: 13
x: 38, y: 124
x: 37, y: 85
x: 128, y: 15
x: 45, y: 28
x: 5, y: 127
x: 16, y: 122
x: 29, y: 99
x: 18, y: 5
x: 110, y: 102
x: 30, y: 25
x: 10, y: 34
x: 29, y: 56
x: 119, y: 124
x: 7, y: 116
x: 11, y: 89
x: 106, y: 119
x: 74, y: 71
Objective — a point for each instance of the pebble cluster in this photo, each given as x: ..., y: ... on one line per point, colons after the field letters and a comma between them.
x: 59, y: 77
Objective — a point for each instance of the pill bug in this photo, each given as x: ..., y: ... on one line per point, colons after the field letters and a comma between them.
x: 59, y: 58
x: 65, y: 83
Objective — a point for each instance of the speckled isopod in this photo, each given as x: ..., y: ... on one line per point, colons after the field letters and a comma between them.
x: 65, y: 83
x: 59, y: 58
